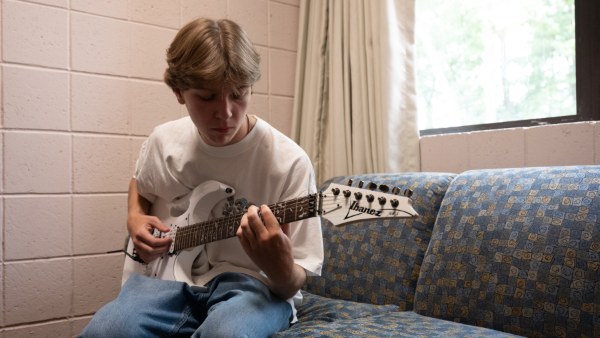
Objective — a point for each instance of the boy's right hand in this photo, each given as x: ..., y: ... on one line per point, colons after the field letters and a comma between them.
x: 141, y: 228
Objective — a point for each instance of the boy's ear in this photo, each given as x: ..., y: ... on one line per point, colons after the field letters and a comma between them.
x: 177, y: 93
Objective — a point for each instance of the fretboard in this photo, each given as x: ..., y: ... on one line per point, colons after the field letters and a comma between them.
x: 226, y: 227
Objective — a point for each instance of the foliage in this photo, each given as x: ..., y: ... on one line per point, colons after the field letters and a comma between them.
x: 494, y: 60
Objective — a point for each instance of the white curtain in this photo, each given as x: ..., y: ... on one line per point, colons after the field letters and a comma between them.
x: 355, y: 105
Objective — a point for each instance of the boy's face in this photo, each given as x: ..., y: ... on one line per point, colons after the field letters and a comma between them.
x: 219, y: 115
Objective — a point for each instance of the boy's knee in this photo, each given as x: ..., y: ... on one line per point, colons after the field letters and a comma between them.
x: 217, y: 330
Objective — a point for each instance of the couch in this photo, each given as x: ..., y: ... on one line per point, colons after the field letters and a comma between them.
x: 494, y: 253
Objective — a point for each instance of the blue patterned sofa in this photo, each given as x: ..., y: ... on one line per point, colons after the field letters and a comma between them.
x: 494, y: 253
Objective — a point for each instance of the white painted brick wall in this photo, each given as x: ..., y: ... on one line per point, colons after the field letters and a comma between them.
x: 279, y: 121
x: 43, y: 41
x: 262, y: 86
x: 100, y: 104
x: 50, y: 329
x: 100, y: 164
x: 282, y: 69
x: 36, y: 162
x: 40, y: 103
x: 56, y: 3
x: 37, y: 290
x: 96, y: 280
x: 253, y: 16
x: 117, y: 9
x: 563, y: 144
x: 81, y: 88
x: 209, y: 8
x: 97, y: 221
x: 152, y: 103
x: 148, y: 59
x: 100, y: 44
x: 35, y: 226
x: 283, y: 30
x: 560, y: 145
x: 155, y: 12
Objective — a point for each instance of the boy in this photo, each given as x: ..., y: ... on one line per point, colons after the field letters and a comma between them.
x: 242, y: 286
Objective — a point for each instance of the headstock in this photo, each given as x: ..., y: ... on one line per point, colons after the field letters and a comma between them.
x: 341, y: 204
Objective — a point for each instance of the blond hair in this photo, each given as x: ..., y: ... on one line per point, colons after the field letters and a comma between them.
x: 210, y: 54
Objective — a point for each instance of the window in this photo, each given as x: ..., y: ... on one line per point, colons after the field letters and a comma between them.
x: 499, y: 64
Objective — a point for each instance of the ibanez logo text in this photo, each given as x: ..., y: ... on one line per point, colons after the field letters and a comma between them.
x: 361, y: 210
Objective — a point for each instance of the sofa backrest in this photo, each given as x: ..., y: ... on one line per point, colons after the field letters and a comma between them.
x: 517, y: 250
x: 378, y: 262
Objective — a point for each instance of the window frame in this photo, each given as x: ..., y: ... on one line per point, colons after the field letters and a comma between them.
x: 587, y: 77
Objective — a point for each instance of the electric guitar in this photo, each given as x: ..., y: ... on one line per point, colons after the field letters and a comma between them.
x: 340, y: 204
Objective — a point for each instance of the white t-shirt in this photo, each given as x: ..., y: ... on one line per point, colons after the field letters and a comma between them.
x: 264, y: 168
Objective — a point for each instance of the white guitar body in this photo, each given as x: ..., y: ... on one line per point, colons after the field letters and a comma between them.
x: 177, y: 265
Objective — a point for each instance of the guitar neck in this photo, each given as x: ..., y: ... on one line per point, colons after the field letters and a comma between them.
x: 226, y: 227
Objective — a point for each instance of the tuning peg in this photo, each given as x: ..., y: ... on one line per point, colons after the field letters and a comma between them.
x: 335, y: 191
x: 350, y: 181
x: 371, y: 186
x: 370, y: 198
x: 384, y: 188
x: 358, y: 195
x: 395, y: 190
x: 408, y: 193
x: 360, y: 184
x: 347, y: 193
x: 394, y: 203
x: 382, y: 200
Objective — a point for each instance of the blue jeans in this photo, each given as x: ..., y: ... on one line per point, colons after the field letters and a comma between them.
x: 231, y: 305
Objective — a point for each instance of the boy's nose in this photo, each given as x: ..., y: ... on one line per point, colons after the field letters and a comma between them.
x: 223, y: 108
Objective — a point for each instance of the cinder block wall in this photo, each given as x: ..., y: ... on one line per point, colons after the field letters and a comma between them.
x: 560, y: 144
x: 81, y: 89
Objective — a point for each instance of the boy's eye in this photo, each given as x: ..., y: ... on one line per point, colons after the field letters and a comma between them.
x: 206, y: 97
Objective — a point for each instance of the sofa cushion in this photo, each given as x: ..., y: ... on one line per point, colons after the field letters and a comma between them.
x: 378, y: 262
x: 322, y: 309
x: 393, y: 324
x: 517, y: 250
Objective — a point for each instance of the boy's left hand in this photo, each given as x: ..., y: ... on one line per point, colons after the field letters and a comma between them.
x: 266, y: 242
